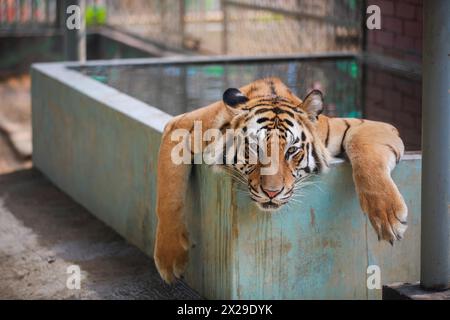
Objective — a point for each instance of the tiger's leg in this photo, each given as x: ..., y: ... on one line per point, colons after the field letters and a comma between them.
x: 172, y: 243
x: 374, y: 148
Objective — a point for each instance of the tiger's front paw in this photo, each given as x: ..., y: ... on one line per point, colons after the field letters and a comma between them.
x: 171, y: 252
x: 387, y: 211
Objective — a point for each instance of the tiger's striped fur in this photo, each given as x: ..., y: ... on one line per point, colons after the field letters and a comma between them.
x: 307, y: 142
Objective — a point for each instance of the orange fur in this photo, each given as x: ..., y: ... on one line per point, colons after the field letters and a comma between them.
x: 373, y: 149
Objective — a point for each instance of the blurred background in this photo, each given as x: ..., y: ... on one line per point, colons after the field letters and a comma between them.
x: 237, y: 27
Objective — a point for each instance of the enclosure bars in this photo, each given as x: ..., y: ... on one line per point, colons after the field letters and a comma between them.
x: 435, y: 272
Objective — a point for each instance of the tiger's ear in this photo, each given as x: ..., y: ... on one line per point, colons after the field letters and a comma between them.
x: 313, y: 104
x: 234, y: 98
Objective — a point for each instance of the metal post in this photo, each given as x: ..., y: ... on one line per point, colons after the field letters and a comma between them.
x: 435, y: 266
x: 75, y: 39
x: 59, y: 14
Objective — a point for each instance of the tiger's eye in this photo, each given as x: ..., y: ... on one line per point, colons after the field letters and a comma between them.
x: 292, y: 150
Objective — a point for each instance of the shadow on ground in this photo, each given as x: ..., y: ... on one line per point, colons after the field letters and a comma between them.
x: 43, y: 231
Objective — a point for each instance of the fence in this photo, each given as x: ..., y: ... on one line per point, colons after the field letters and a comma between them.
x: 237, y: 27
x: 275, y: 27
x: 244, y: 27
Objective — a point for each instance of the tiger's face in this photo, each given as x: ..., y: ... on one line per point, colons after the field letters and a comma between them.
x: 293, y: 162
x: 280, y: 134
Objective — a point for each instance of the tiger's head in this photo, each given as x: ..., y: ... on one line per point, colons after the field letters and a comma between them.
x: 280, y: 129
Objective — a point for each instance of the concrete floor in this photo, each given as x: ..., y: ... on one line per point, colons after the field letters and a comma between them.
x: 412, y: 291
x: 42, y: 232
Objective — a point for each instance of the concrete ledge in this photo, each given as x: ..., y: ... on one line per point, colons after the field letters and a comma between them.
x: 100, y: 146
x: 412, y: 291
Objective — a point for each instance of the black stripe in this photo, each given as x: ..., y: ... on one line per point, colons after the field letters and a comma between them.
x: 397, y: 155
x: 328, y: 134
x: 251, y: 170
x: 224, y: 158
x: 287, y: 105
x: 289, y: 122
x: 264, y: 128
x: 316, y: 159
x: 287, y: 129
x: 402, y: 222
x: 303, y: 136
x: 261, y: 105
x: 275, y: 110
x: 287, y: 111
x: 263, y: 99
x: 261, y: 120
x: 343, y: 137
x: 307, y: 156
x: 224, y: 126
x: 271, y: 100
x: 262, y: 110
x: 272, y: 88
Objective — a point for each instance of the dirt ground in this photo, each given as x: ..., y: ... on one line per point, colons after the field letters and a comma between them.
x: 43, y: 232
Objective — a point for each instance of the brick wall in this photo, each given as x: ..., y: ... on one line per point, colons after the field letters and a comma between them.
x: 395, y: 99
x: 401, y: 30
x: 389, y: 96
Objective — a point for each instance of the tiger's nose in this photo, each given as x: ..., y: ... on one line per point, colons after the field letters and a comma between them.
x: 272, y: 193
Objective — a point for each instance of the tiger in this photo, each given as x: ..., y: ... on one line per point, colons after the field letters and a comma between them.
x: 307, y: 143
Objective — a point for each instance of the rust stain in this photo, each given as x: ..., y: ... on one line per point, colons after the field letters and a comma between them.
x: 330, y: 243
x: 286, y: 247
x: 313, y: 217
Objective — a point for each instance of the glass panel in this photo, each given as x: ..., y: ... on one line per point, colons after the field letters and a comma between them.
x: 184, y: 87
x: 351, y: 89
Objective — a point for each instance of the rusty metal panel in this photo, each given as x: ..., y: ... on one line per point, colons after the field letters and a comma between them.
x: 100, y: 147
